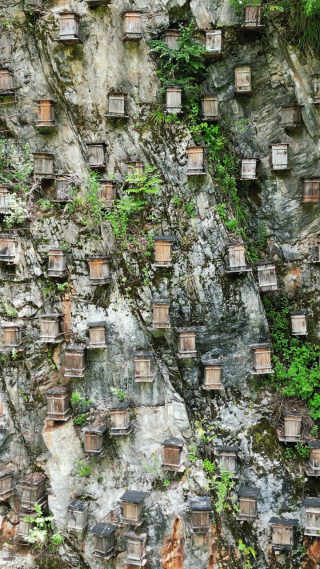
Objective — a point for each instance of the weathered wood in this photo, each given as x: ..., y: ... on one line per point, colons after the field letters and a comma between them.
x: 279, y: 156
x: 171, y: 38
x: 242, y: 75
x: 186, y: 343
x: 267, y: 276
x: 6, y: 81
x: 210, y: 107
x: 43, y: 165
x: 161, y: 317
x: 57, y: 264
x: 96, y: 154
x: 69, y: 28
x: 4, y: 199
x: 253, y: 17
x: 45, y: 113
x: 107, y: 193
x: 262, y: 358
x: 213, y: 43
x: 249, y: 168
x: 8, y: 248
x: 291, y: 116
x: 132, y: 26
x: 174, y: 102
x: 310, y: 190
x: 99, y: 270
x: 58, y: 404
x: 75, y: 358
x: 195, y: 156
x: 299, y: 323
x: 117, y: 105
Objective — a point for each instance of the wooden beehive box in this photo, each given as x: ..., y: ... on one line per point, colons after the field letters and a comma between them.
x: 299, y: 322
x: 312, y: 519
x: 64, y: 189
x: 120, y: 419
x: 282, y: 533
x: 58, y: 403
x: 291, y: 432
x: 96, y: 153
x: 75, y: 356
x: 210, y: 107
x: 213, y: 43
x: 291, y: 116
x: 104, y: 540
x: 117, y: 106
x: 174, y: 100
x: 161, y: 316
x: 142, y: 367
x: 33, y: 491
x: 261, y: 359
x: 227, y: 457
x: 57, y: 264
x: 107, y: 193
x: 6, y: 483
x: 93, y: 440
x: 253, y: 18
x: 69, y: 27
x: 6, y: 81
x: 45, y: 114
x: 279, y: 156
x: 267, y: 276
x: 242, y: 80
x: 136, y: 549
x: 195, y: 155
x: 50, y: 329
x: 212, y: 374
x: 24, y: 526
x: 186, y: 343
x: 249, y: 169
x: 97, y: 335
x: 11, y: 336
x: 99, y: 270
x: 313, y: 468
x: 316, y: 88
x: 8, y: 248
x: 173, y: 454
x: 78, y: 516
x: 43, y: 165
x: 131, y: 26
x: 200, y: 514
x: 163, y: 250
x: 310, y: 190
x: 33, y: 5
x: 248, y: 496
x: 237, y: 258
x: 132, y: 507
x: 171, y: 38
x: 4, y: 199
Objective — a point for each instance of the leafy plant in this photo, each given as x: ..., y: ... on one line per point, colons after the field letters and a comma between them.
x: 80, y: 419
x: 9, y: 310
x: 222, y: 484
x: 296, y: 362
x: 83, y: 469
x: 120, y: 394
x: 189, y: 209
x: 247, y: 551
x: 205, y: 435
x: 40, y: 534
x: 314, y: 431
x: 78, y: 401
x: 192, y: 453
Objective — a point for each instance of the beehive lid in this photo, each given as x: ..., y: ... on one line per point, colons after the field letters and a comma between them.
x: 200, y: 504
x: 98, y: 143
x: 131, y: 535
x: 191, y: 329
x: 75, y: 348
x: 64, y: 12
x: 160, y: 301
x: 95, y: 324
x: 33, y: 478
x: 314, y: 444
x: 311, y: 502
x: 267, y: 262
x: 121, y: 406
x: 298, y: 312
x: 164, y: 238
x: 234, y: 244
x: 133, y: 496
x: 209, y: 93
x: 130, y: 12
x: 53, y: 316
x: 143, y: 354
x: 10, y: 325
x: 5, y: 471
x: 43, y: 154
x: 173, y: 442
x: 242, y: 65
x: 283, y: 522
x: 58, y: 390
x: 255, y: 346
x: 198, y: 146
x: 248, y: 492
x: 227, y: 449
x: 104, y: 529
x: 91, y: 429
x: 8, y: 236
x: 100, y: 180
x: 98, y: 257
x: 212, y: 362
x: 78, y: 505
x: 46, y: 98
x: 279, y: 144
x: 293, y: 106
x: 53, y: 248
x: 288, y: 413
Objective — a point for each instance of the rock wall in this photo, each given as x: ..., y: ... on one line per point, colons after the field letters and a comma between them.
x: 226, y: 310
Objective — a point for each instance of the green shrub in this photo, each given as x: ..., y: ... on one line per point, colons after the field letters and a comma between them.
x: 83, y: 469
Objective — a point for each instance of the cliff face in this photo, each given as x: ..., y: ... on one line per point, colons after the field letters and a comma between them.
x: 225, y: 310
